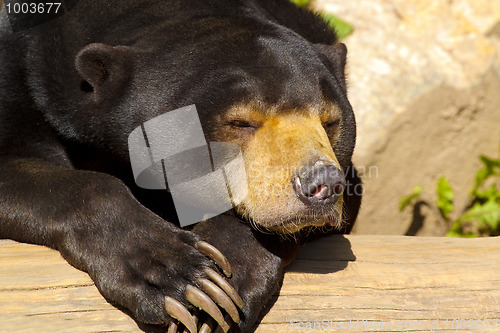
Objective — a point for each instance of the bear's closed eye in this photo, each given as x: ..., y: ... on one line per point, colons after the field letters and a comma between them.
x: 243, y: 124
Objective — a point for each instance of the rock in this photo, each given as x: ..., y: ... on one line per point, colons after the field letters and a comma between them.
x: 424, y: 83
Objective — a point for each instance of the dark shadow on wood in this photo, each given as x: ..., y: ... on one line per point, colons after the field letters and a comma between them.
x: 323, y: 256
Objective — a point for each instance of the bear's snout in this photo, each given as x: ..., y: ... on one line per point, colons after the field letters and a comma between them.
x: 319, y: 185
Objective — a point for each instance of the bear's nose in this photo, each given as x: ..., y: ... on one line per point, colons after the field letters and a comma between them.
x: 319, y: 185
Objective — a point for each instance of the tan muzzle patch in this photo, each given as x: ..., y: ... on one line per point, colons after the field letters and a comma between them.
x: 282, y: 147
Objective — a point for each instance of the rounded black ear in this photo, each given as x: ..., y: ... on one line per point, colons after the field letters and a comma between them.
x: 103, y: 67
x: 337, y: 56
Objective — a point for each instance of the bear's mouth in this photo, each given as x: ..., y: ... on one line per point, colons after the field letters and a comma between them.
x: 292, y: 216
x: 296, y: 224
x: 330, y: 219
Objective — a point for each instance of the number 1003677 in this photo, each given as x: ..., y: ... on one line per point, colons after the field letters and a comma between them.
x: 33, y: 7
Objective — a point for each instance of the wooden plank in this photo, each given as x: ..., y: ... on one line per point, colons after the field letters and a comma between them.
x: 349, y: 284
x: 40, y: 292
x: 395, y: 284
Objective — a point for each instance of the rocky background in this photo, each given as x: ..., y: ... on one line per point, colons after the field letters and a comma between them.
x: 424, y: 81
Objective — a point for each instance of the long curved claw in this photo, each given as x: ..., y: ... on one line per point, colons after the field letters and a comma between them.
x: 208, y: 326
x: 214, y: 254
x: 222, y: 283
x: 195, y: 318
x: 172, y: 327
x: 199, y: 299
x: 220, y: 297
x: 228, y: 321
x: 176, y: 310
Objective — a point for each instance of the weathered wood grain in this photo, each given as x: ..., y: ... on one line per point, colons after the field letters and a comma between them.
x: 345, y: 284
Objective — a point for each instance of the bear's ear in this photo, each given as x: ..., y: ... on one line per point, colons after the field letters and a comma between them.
x: 103, y: 67
x: 336, y: 55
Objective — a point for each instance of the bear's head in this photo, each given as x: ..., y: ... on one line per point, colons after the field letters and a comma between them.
x: 279, y: 97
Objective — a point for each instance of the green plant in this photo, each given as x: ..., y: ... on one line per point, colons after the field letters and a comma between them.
x: 482, y: 216
x: 445, y: 197
x: 410, y: 199
x: 341, y: 27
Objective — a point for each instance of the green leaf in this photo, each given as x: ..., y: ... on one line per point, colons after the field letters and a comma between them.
x: 484, y: 216
x: 481, y: 176
x: 491, y: 168
x: 301, y: 3
x: 407, y: 200
x: 455, y: 230
x: 488, y: 214
x: 459, y: 233
x: 341, y: 27
x: 445, y: 197
x: 489, y: 162
x: 490, y: 194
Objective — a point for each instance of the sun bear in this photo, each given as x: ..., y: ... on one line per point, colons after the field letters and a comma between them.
x: 264, y: 75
